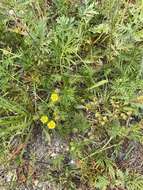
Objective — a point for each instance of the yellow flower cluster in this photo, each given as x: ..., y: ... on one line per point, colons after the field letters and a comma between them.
x: 51, y: 124
x: 44, y: 119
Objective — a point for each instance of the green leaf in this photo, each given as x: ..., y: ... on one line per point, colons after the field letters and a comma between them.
x: 102, y: 183
x: 100, y: 83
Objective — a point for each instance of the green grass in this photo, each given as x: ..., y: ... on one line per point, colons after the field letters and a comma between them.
x: 90, y: 54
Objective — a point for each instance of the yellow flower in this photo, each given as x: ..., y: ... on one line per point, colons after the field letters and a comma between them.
x: 51, y: 124
x: 44, y: 119
x: 54, y: 97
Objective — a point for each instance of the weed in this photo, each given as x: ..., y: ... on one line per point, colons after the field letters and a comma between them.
x: 74, y: 69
